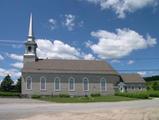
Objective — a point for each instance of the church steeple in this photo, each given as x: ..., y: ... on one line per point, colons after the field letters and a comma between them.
x: 30, y: 33
x: 30, y: 45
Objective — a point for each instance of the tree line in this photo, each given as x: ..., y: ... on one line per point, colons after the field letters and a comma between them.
x: 152, y: 78
x: 152, y: 82
x: 7, y: 84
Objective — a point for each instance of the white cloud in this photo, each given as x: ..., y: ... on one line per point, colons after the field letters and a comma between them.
x: 1, y: 57
x: 115, y: 61
x: 89, y: 57
x: 119, y: 44
x: 121, y: 7
x: 12, y: 72
x: 52, y: 23
x: 18, y: 65
x: 130, y: 62
x: 69, y: 21
x: 15, y: 56
x: 56, y: 49
x: 142, y: 73
x: 148, y: 73
x: 88, y: 43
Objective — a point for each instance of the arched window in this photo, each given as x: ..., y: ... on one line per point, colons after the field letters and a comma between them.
x: 85, y: 84
x: 42, y: 83
x: 57, y: 86
x: 29, y: 49
x: 103, y: 84
x: 71, y: 84
x: 29, y: 83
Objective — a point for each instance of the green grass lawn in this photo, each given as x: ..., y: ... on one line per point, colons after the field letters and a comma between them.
x: 85, y: 99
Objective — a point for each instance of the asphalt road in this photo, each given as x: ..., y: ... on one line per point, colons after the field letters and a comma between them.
x: 12, y: 109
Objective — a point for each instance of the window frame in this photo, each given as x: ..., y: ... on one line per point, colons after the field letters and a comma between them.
x: 69, y: 84
x: 105, y: 87
x: 55, y: 84
x: 28, y: 77
x: 43, y: 78
x: 85, y: 78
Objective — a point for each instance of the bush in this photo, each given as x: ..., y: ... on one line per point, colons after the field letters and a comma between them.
x: 86, y: 98
x: 35, y: 96
x: 155, y: 86
x: 9, y: 94
x: 140, y: 95
x: 153, y: 93
x: 95, y: 94
x: 64, y: 95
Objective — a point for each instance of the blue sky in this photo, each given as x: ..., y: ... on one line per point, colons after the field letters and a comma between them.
x: 125, y: 34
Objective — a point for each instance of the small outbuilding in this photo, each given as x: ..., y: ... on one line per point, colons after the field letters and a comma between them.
x: 131, y: 82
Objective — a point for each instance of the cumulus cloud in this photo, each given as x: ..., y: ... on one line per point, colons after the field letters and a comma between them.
x: 148, y: 73
x: 88, y: 43
x: 1, y: 57
x: 119, y: 44
x: 115, y: 61
x: 12, y: 72
x: 56, y: 49
x: 15, y: 56
x: 69, y: 21
x: 18, y: 65
x: 121, y: 7
x: 130, y: 62
x: 89, y: 57
x: 52, y: 23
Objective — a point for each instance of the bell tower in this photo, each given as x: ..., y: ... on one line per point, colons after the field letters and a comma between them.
x: 30, y: 45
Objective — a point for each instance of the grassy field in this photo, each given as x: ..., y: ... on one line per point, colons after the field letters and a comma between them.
x: 85, y: 99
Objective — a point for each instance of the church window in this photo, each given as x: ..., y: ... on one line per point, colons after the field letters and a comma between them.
x: 42, y: 83
x: 29, y: 83
x: 71, y: 83
x: 57, y: 84
x: 103, y: 84
x: 29, y: 49
x: 85, y: 84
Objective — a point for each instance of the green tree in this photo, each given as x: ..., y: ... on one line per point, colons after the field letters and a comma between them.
x: 155, y: 86
x: 18, y: 85
x: 7, y: 83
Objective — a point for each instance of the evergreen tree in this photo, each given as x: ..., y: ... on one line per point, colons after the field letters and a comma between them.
x: 6, y: 84
x: 18, y: 85
x: 155, y: 86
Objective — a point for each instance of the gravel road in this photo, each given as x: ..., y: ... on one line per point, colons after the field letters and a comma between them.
x: 28, y: 109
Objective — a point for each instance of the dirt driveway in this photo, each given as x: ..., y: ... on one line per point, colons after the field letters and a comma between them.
x: 28, y: 109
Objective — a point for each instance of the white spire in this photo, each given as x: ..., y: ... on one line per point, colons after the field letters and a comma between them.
x: 30, y: 34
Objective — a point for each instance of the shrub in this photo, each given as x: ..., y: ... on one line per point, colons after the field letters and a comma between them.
x: 9, y: 94
x: 35, y: 96
x: 141, y: 95
x: 64, y: 95
x: 153, y: 93
x: 155, y: 86
x: 95, y: 94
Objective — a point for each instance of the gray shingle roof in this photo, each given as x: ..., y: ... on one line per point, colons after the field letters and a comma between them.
x: 132, y: 78
x: 69, y: 66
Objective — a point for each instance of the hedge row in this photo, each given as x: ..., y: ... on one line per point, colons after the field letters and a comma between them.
x: 153, y: 93
x: 9, y: 94
x: 67, y: 95
x: 140, y: 95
